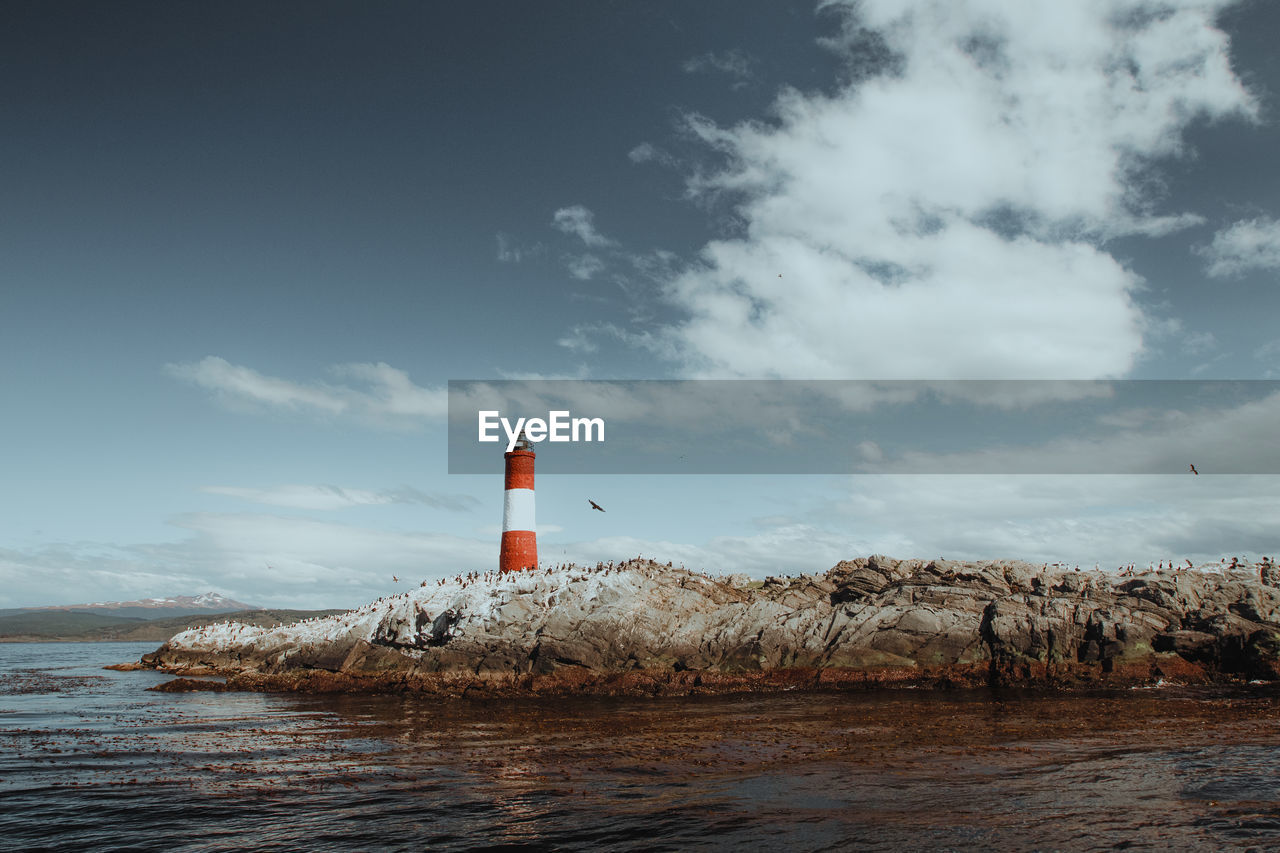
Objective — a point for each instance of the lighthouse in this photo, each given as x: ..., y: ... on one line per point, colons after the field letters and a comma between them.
x: 519, y: 535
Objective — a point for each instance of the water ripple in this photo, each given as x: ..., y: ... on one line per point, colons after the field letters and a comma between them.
x: 89, y: 759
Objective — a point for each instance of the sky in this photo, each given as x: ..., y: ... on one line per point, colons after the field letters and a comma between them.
x: 244, y: 247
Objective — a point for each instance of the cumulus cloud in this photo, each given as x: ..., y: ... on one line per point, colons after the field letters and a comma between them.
x: 1252, y: 244
x: 580, y: 222
x: 605, y: 252
x: 377, y: 393
x: 946, y: 215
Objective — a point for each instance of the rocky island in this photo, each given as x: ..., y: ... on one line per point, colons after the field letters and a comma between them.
x: 639, y: 627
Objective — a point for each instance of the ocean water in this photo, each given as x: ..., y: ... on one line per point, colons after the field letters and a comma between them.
x: 89, y: 760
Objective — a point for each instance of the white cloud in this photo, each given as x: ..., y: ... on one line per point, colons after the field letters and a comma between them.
x: 582, y: 371
x: 301, y: 562
x: 246, y: 384
x: 1110, y: 520
x: 1252, y: 244
x: 87, y: 572
x: 1199, y: 343
x: 584, y: 337
x: 578, y: 339
x: 508, y: 251
x: 1217, y: 439
x: 380, y: 393
x: 785, y: 549
x: 325, y: 497
x: 296, y: 544
x: 389, y: 391
x: 647, y: 152
x: 495, y: 530
x: 947, y: 218
x: 585, y: 267
x: 267, y: 560
x: 733, y: 63
x: 1269, y: 355
x: 580, y: 222
x: 869, y: 451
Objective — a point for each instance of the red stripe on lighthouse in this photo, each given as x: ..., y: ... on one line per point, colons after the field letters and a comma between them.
x: 520, y: 469
x: 519, y: 551
x: 519, y: 537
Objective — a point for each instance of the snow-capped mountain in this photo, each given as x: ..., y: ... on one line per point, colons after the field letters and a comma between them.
x: 154, y: 608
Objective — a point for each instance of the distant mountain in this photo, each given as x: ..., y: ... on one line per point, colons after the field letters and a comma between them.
x: 154, y: 608
x: 51, y: 624
x: 150, y: 619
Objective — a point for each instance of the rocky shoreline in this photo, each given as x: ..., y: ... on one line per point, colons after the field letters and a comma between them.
x: 640, y: 628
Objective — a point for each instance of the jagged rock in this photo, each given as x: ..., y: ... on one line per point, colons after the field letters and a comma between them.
x: 1269, y: 572
x: 869, y: 621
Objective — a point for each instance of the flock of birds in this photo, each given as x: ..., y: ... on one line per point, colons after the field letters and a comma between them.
x: 1236, y: 564
x: 1123, y: 571
x: 465, y: 579
x: 489, y: 577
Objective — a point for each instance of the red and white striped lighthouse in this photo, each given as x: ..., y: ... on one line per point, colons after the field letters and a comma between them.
x: 519, y: 534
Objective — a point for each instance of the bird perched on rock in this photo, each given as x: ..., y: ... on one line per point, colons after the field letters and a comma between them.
x: 1193, y: 469
x: 595, y: 505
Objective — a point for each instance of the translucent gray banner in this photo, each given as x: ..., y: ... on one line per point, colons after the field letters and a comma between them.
x: 1184, y: 427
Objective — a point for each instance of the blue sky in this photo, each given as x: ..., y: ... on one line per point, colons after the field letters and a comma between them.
x: 243, y: 247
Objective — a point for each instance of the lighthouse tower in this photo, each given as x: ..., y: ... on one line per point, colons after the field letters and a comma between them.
x: 519, y: 535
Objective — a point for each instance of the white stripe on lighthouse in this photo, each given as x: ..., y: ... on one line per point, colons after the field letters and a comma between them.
x: 517, y: 510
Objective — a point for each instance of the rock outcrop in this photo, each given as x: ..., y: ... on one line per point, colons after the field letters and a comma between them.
x: 642, y: 627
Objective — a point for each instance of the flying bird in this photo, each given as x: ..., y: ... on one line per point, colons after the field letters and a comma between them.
x: 1194, y: 471
x: 395, y: 579
x: 595, y: 505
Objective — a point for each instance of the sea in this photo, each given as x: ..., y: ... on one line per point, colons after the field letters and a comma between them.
x: 90, y: 760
